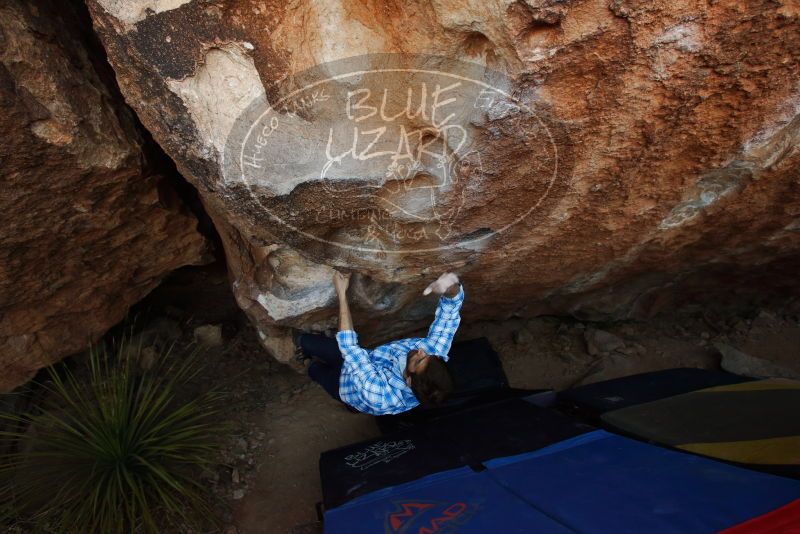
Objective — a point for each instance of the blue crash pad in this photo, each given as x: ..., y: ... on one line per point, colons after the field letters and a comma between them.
x: 593, y: 483
x: 458, y: 500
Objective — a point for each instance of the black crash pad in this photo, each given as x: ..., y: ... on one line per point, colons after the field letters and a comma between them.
x: 465, y: 438
x: 593, y: 400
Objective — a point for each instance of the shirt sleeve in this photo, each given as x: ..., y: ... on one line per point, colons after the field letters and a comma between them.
x: 370, y: 380
x: 444, y: 326
x: 350, y: 349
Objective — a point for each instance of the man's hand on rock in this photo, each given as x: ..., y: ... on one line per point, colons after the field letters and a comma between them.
x: 447, y: 285
x: 340, y: 282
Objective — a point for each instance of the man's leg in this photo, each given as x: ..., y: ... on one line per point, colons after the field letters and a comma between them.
x: 323, y: 348
x: 326, y: 376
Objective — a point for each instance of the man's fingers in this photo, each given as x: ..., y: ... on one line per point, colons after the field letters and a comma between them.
x: 435, y: 287
x: 441, y: 284
x: 449, y: 279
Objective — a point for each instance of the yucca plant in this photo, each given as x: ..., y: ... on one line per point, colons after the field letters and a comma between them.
x: 117, y: 451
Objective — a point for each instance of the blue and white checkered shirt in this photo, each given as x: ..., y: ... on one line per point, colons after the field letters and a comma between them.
x: 372, y: 381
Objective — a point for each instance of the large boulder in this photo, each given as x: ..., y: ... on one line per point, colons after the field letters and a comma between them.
x: 617, y: 155
x: 87, y: 228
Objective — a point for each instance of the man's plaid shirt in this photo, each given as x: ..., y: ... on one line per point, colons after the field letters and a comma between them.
x: 372, y: 381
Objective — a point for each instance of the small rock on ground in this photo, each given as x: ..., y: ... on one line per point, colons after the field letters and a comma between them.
x: 209, y: 335
x: 740, y: 363
x: 600, y: 342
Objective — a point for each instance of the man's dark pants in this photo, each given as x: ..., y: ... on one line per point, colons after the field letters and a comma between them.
x: 326, y: 366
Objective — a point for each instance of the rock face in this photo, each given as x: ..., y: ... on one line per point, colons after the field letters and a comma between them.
x: 601, y: 158
x: 87, y: 228
x: 738, y: 362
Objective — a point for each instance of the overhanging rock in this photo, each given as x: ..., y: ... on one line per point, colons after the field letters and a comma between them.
x: 595, y: 155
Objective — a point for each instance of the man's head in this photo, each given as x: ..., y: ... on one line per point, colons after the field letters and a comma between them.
x: 428, y: 377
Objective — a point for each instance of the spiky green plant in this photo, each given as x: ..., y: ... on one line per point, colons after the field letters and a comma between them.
x: 118, y: 451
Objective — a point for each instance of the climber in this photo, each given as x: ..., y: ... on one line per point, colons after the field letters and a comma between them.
x: 394, y: 377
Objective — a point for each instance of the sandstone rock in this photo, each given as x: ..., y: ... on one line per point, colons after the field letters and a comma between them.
x: 209, y: 335
x: 741, y: 363
x: 88, y: 228
x: 650, y: 146
x: 633, y: 349
x: 765, y: 321
x: 522, y: 336
x: 601, y: 342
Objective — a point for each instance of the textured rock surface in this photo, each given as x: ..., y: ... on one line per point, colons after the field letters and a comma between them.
x: 741, y: 363
x: 87, y: 228
x: 676, y: 125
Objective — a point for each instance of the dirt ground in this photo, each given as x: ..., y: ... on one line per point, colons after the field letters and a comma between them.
x: 270, y: 483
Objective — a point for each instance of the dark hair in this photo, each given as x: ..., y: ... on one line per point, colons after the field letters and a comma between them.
x: 433, y: 385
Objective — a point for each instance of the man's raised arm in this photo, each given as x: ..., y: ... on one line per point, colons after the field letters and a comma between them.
x: 346, y: 337
x: 448, y: 317
x: 340, y: 283
x: 370, y: 381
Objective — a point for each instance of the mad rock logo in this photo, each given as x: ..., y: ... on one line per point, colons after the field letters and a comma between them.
x: 428, y: 517
x: 392, y: 154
